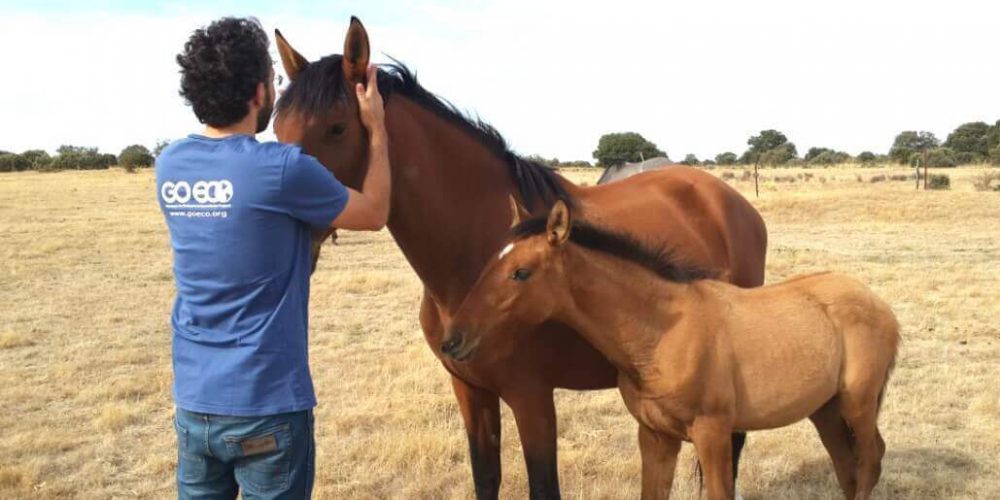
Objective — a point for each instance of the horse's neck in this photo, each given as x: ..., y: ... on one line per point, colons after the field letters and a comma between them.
x: 623, y: 311
x: 449, y: 209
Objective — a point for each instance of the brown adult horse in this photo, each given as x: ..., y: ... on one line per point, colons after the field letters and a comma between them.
x: 451, y: 181
x: 696, y: 358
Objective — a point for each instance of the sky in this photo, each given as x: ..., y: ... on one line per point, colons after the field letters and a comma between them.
x: 553, y: 76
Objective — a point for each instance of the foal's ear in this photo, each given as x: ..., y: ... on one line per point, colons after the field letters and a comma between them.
x: 356, y: 52
x: 518, y: 213
x: 559, y: 224
x: 293, y: 62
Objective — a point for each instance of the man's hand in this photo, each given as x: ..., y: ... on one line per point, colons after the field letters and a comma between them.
x: 368, y: 209
x: 370, y: 104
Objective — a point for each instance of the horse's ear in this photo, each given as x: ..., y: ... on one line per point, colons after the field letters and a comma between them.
x: 559, y: 224
x: 518, y: 213
x: 293, y: 62
x: 356, y: 51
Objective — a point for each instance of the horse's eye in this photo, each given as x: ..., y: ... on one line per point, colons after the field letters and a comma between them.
x: 521, y: 275
x: 337, y: 129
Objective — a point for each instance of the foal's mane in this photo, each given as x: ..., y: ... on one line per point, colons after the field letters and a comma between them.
x: 320, y: 86
x: 660, y: 260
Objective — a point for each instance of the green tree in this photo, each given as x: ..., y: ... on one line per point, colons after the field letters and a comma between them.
x: 160, y: 146
x: 619, y: 148
x: 10, y: 162
x: 830, y: 157
x: 909, y: 142
x: 779, y: 155
x: 972, y: 138
x: 942, y: 157
x: 814, y: 152
x: 690, y: 159
x: 39, y: 158
x: 770, y: 147
x: 135, y: 156
x: 727, y: 158
x: 867, y: 157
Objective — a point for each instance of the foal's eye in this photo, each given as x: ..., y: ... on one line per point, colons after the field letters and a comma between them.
x: 337, y: 129
x: 520, y: 275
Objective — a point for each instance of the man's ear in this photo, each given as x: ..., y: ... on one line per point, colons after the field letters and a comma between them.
x: 559, y: 224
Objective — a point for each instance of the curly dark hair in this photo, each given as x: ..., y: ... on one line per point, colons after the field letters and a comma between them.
x: 220, y: 68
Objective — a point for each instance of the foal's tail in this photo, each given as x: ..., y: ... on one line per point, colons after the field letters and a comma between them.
x: 896, y: 339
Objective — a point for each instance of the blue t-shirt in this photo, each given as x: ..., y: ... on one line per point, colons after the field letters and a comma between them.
x: 240, y: 215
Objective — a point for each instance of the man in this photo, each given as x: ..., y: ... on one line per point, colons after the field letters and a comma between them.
x: 240, y: 215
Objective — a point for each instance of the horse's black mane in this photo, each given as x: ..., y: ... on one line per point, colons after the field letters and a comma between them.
x: 320, y: 86
x: 660, y: 260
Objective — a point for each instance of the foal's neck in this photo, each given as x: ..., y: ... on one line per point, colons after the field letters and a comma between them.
x: 621, y: 308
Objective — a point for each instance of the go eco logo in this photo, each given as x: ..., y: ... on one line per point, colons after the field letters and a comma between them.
x: 202, y: 192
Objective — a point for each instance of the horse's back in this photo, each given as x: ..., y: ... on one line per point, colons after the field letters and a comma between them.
x: 702, y: 218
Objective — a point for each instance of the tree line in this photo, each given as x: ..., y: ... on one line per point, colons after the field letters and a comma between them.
x: 973, y: 142
x: 79, y: 158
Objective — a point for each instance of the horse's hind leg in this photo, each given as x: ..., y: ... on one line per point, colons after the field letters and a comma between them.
x: 837, y: 439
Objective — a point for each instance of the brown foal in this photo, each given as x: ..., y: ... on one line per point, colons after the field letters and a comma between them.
x: 697, y: 358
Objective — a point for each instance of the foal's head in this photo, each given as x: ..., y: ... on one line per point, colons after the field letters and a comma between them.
x: 529, y: 281
x: 521, y: 288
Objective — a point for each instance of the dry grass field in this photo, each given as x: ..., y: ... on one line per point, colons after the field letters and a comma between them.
x: 86, y: 288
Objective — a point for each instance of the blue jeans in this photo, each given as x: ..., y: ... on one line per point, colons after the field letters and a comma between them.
x: 271, y: 457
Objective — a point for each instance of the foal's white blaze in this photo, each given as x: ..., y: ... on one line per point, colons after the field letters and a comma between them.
x: 506, y: 250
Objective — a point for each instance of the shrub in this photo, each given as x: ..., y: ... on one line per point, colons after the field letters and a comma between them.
x: 135, y: 156
x: 877, y: 178
x: 942, y: 157
x: 995, y: 156
x: 939, y: 181
x: 830, y: 157
x: 10, y: 162
x: 727, y: 175
x: 984, y: 181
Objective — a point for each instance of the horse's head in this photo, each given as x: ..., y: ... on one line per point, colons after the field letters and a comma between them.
x: 523, y: 287
x: 319, y: 109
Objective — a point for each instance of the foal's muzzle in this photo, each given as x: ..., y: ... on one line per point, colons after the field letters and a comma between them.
x: 456, y: 347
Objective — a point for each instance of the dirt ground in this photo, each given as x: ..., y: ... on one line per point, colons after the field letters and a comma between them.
x: 86, y: 289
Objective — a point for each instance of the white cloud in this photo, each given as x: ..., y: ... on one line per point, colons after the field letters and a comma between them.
x: 694, y: 77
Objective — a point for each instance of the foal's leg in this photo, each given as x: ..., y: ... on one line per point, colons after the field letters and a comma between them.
x: 659, y: 461
x: 861, y: 413
x: 836, y: 437
x: 481, y: 414
x: 712, y: 441
x: 535, y: 413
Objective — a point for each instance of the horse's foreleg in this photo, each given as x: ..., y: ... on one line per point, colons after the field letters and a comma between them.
x: 481, y: 413
x: 659, y: 462
x: 712, y: 438
x: 535, y: 413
